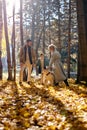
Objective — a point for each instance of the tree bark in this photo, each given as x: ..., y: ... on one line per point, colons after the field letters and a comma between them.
x: 59, y: 30
x: 82, y: 31
x: 1, y: 25
x: 13, y: 46
x: 33, y: 23
x: 21, y: 22
x: 44, y: 13
x: 69, y: 39
x: 7, y: 42
x: 38, y: 42
x: 49, y: 17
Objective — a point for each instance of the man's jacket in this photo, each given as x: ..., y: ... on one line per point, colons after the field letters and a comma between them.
x: 31, y: 54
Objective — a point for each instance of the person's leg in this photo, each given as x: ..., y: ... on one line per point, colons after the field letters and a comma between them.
x: 56, y: 83
x: 66, y: 82
x: 29, y: 73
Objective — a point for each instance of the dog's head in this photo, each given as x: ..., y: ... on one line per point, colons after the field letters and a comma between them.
x: 45, y: 72
x: 47, y: 77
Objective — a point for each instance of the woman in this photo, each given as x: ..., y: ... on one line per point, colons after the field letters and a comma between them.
x: 56, y: 65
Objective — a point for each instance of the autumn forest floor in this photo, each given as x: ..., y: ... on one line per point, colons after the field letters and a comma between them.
x: 37, y: 107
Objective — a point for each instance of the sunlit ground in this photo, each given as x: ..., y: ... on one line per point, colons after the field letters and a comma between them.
x: 37, y: 107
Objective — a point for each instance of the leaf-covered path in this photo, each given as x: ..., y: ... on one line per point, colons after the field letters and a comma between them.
x: 37, y: 107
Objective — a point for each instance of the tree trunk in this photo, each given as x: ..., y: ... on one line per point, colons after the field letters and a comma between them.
x: 33, y: 23
x: 82, y: 30
x: 1, y: 24
x: 33, y: 28
x: 59, y: 30
x: 21, y: 34
x: 38, y: 42
x: 21, y: 22
x: 13, y: 46
x: 44, y: 27
x: 7, y: 42
x: 49, y: 4
x: 69, y: 39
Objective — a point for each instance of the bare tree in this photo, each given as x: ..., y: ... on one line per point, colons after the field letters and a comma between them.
x: 1, y: 24
x: 69, y: 38
x: 21, y: 22
x: 49, y: 17
x: 7, y: 42
x: 44, y: 18
x: 82, y: 29
x: 59, y: 27
x: 33, y: 23
x: 13, y: 45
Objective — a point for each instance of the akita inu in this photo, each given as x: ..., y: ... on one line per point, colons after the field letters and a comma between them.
x: 47, y: 77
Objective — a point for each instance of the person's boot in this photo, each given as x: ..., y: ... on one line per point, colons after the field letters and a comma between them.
x: 28, y: 82
x: 20, y: 83
x: 56, y: 84
x: 66, y: 82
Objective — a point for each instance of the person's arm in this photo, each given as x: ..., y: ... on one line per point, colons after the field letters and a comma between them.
x: 52, y: 60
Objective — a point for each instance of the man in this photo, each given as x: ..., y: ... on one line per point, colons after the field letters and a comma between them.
x: 27, y: 59
x: 56, y: 65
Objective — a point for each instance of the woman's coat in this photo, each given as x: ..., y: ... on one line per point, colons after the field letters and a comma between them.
x: 56, y: 64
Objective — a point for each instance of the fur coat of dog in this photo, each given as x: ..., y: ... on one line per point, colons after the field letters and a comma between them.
x: 47, y: 77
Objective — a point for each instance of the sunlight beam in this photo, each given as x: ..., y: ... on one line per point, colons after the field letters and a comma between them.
x: 10, y: 4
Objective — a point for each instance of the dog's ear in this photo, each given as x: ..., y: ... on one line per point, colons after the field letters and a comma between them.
x: 44, y: 69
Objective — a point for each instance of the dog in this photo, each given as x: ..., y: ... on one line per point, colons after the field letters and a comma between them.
x: 47, y: 77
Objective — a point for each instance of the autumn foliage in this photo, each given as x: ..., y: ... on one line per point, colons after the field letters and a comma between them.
x: 38, y: 107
